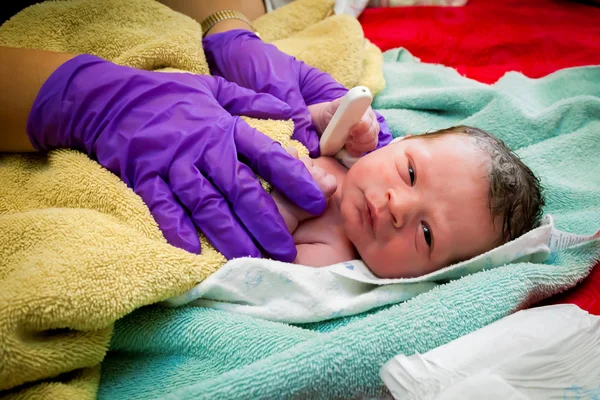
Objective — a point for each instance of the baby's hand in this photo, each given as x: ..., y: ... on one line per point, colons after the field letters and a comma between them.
x: 364, y: 134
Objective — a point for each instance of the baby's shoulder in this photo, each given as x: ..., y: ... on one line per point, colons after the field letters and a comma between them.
x: 325, y: 228
x: 323, y: 241
x: 321, y: 254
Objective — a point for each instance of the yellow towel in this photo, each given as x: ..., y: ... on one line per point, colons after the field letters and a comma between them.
x: 78, y: 249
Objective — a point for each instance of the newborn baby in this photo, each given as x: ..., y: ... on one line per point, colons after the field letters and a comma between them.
x: 416, y: 205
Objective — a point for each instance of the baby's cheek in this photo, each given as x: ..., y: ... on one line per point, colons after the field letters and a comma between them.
x: 394, y: 259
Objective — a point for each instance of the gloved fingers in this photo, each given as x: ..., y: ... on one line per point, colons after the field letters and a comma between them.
x: 244, y: 102
x: 318, y: 86
x: 210, y: 211
x: 250, y: 203
x: 287, y: 174
x: 238, y: 100
x: 305, y: 132
x: 171, y: 217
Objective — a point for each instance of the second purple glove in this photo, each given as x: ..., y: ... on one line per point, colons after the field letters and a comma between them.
x: 243, y: 58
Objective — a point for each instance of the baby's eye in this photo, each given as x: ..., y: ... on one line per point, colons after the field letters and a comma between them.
x: 411, y: 173
x: 427, y: 234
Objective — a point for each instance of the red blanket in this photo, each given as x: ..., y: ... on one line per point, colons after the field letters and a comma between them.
x: 485, y: 39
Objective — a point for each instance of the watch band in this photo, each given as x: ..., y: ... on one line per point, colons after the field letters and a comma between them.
x: 222, y: 15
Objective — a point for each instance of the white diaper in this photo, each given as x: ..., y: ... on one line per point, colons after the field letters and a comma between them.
x: 294, y: 293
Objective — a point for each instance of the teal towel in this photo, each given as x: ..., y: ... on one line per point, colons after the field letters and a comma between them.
x: 554, y: 123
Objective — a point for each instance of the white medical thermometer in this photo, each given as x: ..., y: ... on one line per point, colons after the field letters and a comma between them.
x: 352, y: 107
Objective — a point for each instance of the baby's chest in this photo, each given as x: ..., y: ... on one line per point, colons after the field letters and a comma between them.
x: 328, y: 228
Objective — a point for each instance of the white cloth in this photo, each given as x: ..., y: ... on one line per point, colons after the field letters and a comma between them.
x: 549, y: 352
x: 294, y: 293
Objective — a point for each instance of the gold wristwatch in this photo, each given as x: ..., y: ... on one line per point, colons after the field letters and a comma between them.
x: 222, y: 15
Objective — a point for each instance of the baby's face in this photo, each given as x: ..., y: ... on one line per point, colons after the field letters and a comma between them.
x: 418, y: 205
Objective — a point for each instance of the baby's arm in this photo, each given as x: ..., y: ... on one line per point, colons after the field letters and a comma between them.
x: 292, y: 214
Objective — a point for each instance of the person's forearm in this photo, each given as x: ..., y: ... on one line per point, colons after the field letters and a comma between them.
x: 200, y: 9
x: 22, y: 74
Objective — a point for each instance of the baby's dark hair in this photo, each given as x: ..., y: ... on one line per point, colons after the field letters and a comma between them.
x: 515, y: 194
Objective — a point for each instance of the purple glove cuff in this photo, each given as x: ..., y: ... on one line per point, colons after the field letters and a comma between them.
x: 224, y: 45
x: 385, y: 135
x: 315, y: 86
x: 47, y: 126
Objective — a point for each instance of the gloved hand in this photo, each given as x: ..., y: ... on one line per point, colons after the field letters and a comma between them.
x: 172, y: 138
x: 363, y: 136
x: 243, y: 58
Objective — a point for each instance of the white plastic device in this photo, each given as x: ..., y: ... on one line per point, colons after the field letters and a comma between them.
x: 352, y: 107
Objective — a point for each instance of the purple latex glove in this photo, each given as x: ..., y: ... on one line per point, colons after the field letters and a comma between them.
x: 243, y: 58
x: 172, y: 138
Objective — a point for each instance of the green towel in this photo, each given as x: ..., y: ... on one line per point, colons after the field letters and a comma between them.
x: 554, y: 123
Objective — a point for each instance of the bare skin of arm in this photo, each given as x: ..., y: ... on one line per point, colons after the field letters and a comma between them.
x: 22, y: 74
x: 24, y: 71
x: 200, y: 9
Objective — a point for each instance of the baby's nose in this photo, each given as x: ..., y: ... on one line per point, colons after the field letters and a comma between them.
x: 402, y: 207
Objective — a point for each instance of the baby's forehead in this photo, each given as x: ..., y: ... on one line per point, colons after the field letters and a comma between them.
x: 449, y: 138
x: 453, y: 147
